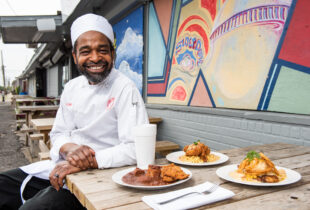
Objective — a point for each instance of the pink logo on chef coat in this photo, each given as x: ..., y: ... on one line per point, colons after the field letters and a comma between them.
x: 68, y: 104
x: 110, y: 103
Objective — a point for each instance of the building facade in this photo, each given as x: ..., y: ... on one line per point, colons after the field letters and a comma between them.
x: 230, y: 73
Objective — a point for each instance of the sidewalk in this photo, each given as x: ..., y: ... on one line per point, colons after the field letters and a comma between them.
x: 11, y: 149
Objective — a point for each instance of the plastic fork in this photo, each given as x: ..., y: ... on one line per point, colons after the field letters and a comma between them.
x: 208, y: 191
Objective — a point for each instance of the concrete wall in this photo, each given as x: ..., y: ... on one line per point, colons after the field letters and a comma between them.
x: 226, y: 128
x: 32, y: 91
x: 52, y: 81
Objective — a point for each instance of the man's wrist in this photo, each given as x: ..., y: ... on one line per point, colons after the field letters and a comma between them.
x: 64, y: 149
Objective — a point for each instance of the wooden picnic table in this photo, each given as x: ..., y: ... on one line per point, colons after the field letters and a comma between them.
x: 33, y: 101
x: 96, y: 190
x: 15, y: 97
x: 43, y: 125
x: 34, y: 111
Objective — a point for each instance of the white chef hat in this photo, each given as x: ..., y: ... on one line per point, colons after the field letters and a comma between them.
x: 91, y: 22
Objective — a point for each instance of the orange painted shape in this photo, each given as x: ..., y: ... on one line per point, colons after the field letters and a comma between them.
x: 201, y: 96
x: 178, y: 93
x: 191, y: 18
x: 210, y: 5
x: 163, y: 9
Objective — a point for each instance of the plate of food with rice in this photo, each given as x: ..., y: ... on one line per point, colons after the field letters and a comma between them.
x: 257, y: 169
x: 197, y: 154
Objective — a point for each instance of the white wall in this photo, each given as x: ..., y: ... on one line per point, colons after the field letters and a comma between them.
x: 32, y: 91
x: 52, y: 81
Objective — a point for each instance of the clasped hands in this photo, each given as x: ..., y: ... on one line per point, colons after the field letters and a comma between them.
x: 76, y: 158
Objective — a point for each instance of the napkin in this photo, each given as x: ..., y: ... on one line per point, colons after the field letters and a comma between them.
x: 191, y: 201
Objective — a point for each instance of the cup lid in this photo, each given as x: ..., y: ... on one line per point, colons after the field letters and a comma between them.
x: 145, y: 130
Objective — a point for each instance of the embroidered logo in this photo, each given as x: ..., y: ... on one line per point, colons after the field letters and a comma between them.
x: 110, y: 103
x: 68, y: 104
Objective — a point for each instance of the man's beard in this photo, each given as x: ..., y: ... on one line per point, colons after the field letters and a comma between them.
x: 95, y: 77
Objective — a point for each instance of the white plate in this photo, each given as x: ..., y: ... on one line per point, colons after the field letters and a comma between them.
x: 174, y: 157
x: 291, y: 176
x: 117, y: 178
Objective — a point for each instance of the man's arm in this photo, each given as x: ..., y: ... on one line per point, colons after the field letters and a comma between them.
x: 80, y: 156
x: 63, y: 125
x: 58, y: 174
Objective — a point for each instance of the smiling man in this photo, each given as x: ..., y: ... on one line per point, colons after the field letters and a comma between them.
x: 92, y: 128
x: 94, y: 56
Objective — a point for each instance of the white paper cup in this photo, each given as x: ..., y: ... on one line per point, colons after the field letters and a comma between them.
x: 145, y: 139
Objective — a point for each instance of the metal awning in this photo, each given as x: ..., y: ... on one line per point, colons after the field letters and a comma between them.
x: 31, y: 29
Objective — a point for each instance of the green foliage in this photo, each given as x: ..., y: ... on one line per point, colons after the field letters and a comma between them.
x: 196, y: 142
x: 17, y: 90
x: 252, y: 154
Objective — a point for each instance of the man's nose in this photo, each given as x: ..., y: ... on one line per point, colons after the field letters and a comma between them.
x: 95, y: 56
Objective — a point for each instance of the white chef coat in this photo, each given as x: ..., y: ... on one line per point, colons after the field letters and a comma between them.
x: 100, y: 116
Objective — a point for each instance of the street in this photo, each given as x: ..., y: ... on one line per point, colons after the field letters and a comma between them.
x: 11, y: 148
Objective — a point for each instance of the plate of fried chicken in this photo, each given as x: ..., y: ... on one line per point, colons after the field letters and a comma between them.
x: 155, y: 177
x: 197, y: 154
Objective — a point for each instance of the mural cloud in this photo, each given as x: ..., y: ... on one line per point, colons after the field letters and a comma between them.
x: 124, y: 67
x: 131, y: 41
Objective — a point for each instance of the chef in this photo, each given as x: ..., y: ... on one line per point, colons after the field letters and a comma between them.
x: 92, y: 128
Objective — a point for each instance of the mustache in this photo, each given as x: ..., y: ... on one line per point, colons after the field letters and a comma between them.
x: 95, y: 63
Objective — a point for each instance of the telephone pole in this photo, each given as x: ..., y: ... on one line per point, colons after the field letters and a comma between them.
x: 2, y: 68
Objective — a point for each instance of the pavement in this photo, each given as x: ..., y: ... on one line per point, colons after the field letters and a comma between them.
x: 12, y: 149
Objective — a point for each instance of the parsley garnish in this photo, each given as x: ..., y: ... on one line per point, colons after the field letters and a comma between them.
x: 196, y: 142
x: 252, y: 154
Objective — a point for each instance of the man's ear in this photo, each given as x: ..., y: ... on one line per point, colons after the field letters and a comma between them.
x: 74, y: 57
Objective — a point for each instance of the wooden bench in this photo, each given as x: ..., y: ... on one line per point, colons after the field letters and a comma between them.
x: 155, y: 120
x: 26, y: 129
x: 36, y: 136
x: 34, y: 139
x: 43, y: 147
x: 44, y: 156
x: 44, y: 153
x: 166, y: 147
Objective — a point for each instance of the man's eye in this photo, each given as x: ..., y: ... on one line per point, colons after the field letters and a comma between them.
x: 103, y: 51
x: 84, y: 52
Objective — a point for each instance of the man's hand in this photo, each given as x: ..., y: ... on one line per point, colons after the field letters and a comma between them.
x: 80, y: 156
x: 61, y: 170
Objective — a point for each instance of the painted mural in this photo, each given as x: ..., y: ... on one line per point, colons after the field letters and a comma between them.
x: 230, y: 54
x: 129, y: 46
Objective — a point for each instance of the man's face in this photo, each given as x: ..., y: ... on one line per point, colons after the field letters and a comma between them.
x: 93, y: 56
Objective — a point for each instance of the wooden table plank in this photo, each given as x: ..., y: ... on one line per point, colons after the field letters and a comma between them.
x: 33, y: 101
x: 39, y: 108
x: 296, y: 198
x: 95, y: 189
x: 44, y: 126
x: 43, y: 123
x: 242, y: 191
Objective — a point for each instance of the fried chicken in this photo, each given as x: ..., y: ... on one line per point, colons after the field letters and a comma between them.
x: 154, y: 172
x: 171, y: 173
x: 197, y: 149
x: 155, y: 175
